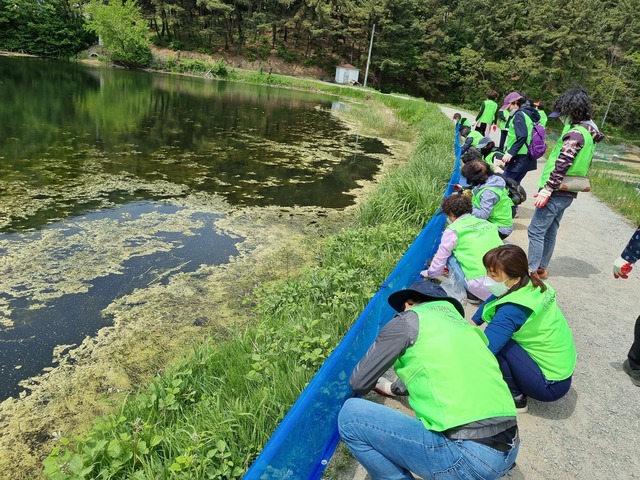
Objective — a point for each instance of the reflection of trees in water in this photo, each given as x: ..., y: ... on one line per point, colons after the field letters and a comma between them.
x: 254, y: 145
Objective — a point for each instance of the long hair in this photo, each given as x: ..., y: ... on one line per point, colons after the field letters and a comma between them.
x: 575, y: 103
x: 512, y: 260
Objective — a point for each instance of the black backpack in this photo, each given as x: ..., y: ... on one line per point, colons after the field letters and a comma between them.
x: 516, y: 192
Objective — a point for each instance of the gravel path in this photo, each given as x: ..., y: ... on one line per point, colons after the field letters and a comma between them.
x: 592, y: 432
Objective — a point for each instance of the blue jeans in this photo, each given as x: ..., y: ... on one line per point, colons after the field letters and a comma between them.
x: 523, y: 375
x: 391, y: 445
x: 543, y: 231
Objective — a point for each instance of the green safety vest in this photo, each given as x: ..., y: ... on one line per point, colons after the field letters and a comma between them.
x: 582, y: 162
x: 501, y: 213
x: 503, y: 118
x: 511, y: 136
x: 476, y: 237
x: 489, y: 112
x: 452, y: 377
x: 546, y: 335
x: 477, y: 136
x: 543, y: 118
x: 489, y: 157
x: 464, y: 122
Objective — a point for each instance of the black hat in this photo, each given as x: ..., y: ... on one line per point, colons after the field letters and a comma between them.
x: 425, y: 288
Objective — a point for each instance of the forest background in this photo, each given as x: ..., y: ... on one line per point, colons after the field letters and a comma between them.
x: 442, y: 50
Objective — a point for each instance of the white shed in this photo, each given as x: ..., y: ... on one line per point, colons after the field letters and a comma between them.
x: 346, y: 73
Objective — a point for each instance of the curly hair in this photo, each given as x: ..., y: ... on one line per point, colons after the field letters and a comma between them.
x: 456, y: 205
x: 575, y: 103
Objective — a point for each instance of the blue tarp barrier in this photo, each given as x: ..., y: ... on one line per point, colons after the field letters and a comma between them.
x: 302, y: 444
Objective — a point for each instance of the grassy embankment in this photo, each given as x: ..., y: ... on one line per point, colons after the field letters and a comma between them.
x: 210, y: 414
x: 620, y: 192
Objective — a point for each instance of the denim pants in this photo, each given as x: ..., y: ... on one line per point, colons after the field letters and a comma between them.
x: 523, y: 375
x: 391, y: 445
x: 543, y: 231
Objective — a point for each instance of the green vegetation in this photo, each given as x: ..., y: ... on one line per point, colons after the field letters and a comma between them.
x: 210, y: 414
x: 123, y: 31
x: 620, y: 192
x: 52, y: 28
x: 440, y: 50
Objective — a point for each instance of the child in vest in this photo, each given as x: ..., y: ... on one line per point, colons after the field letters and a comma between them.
x: 487, y: 114
x: 465, y: 240
x: 490, y: 199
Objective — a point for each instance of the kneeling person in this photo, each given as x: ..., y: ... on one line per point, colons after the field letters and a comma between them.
x: 465, y: 421
x: 462, y: 246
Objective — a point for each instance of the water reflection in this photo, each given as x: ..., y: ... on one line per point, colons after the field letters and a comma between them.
x: 67, y: 124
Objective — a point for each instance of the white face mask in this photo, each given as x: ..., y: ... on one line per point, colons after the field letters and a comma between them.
x: 497, y: 288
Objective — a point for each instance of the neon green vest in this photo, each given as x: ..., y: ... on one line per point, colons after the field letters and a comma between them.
x: 476, y: 237
x: 489, y: 157
x: 477, y: 136
x: 546, y: 335
x: 503, y: 118
x: 511, y: 136
x: 465, y: 122
x: 452, y: 377
x: 582, y: 162
x: 501, y: 212
x: 543, y: 118
x: 489, y: 112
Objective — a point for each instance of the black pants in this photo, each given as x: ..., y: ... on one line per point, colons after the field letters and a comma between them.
x: 503, y: 139
x: 482, y: 128
x: 634, y: 353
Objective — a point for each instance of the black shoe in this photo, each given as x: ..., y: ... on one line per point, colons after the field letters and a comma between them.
x: 634, y: 374
x: 472, y: 299
x: 521, y: 404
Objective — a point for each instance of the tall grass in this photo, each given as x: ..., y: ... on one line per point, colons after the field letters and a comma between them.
x: 412, y: 197
x: 210, y: 414
x: 621, y: 194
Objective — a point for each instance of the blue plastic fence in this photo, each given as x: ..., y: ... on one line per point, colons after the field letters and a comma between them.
x: 303, y: 443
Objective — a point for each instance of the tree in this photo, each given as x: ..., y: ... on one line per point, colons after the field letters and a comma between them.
x: 123, y: 31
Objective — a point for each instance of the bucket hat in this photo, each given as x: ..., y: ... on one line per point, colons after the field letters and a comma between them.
x: 512, y: 97
x: 425, y: 288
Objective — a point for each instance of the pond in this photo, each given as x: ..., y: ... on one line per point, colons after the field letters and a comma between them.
x: 97, y: 167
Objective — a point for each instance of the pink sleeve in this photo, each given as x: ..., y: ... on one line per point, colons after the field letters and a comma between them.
x: 448, y: 241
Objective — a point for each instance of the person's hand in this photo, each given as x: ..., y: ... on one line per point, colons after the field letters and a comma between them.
x: 424, y: 274
x: 506, y: 158
x: 457, y: 187
x: 541, y: 198
x: 494, y: 128
x: 621, y: 268
x: 383, y: 387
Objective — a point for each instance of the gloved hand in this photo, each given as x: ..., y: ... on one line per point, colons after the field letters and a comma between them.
x: 621, y: 268
x: 494, y: 128
x: 541, y: 198
x: 457, y: 187
x: 383, y: 387
x: 423, y: 274
x: 506, y: 158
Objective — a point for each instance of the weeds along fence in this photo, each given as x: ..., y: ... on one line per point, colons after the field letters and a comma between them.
x: 303, y: 443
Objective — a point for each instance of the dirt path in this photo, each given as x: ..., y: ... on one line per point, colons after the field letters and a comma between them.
x: 592, y: 432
